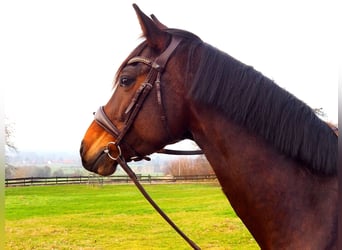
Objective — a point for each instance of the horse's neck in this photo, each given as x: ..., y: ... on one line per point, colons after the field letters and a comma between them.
x: 275, y: 197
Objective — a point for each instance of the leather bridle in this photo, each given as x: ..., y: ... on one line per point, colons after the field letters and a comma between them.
x: 152, y: 80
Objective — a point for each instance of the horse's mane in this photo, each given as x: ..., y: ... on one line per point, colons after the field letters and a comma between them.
x: 254, y: 101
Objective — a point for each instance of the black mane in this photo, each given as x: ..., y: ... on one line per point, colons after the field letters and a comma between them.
x: 252, y: 100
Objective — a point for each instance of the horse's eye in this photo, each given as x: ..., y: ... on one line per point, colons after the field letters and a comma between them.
x: 126, y: 81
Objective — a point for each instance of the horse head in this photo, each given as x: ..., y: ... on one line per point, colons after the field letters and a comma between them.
x: 140, y: 116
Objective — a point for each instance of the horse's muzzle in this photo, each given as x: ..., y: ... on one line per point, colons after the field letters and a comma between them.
x: 99, y: 163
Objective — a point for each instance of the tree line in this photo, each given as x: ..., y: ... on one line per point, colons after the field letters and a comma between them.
x: 12, y: 172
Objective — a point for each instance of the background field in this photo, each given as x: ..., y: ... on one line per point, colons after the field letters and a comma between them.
x: 118, y: 217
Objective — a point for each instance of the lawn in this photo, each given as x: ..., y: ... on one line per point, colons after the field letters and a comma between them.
x: 118, y: 217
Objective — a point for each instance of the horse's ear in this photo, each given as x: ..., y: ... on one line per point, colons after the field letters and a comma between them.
x: 158, y: 23
x: 155, y: 36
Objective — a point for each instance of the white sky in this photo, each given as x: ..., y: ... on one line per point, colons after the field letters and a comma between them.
x: 58, y: 58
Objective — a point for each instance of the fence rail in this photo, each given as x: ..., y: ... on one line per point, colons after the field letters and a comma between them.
x: 99, y: 180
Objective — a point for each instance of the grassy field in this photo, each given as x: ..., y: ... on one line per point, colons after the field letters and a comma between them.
x: 118, y: 217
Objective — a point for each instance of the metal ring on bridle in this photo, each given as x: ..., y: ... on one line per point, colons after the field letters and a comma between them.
x: 108, y: 152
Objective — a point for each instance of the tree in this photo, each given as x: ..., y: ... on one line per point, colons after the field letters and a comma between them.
x: 58, y: 173
x: 9, y: 131
x: 187, y: 166
x: 320, y: 112
x: 9, y: 145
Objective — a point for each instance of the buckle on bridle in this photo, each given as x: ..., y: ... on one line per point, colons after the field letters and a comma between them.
x: 157, y: 67
x: 107, y: 151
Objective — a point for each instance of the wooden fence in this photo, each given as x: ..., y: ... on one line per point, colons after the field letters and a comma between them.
x: 99, y: 180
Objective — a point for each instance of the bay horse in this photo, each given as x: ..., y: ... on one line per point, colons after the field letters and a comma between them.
x: 275, y: 160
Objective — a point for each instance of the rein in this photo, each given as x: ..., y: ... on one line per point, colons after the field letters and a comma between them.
x: 142, y: 190
x: 152, y: 79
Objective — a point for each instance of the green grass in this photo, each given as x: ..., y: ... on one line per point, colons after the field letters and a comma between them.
x: 118, y: 217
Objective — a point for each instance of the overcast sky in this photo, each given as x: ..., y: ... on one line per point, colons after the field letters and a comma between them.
x: 58, y: 58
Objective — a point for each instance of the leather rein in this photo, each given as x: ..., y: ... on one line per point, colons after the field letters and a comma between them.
x: 153, y: 79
